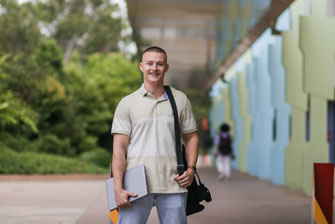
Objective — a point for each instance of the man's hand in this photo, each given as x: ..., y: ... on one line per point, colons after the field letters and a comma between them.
x: 118, y: 166
x: 121, y: 198
x: 191, y: 153
x: 186, y: 178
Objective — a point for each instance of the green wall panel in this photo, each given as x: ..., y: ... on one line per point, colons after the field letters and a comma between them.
x: 319, y: 55
x: 246, y: 136
x: 295, y: 150
x: 317, y: 148
x: 295, y: 95
x: 293, y: 59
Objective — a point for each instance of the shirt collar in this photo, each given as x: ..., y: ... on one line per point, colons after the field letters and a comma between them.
x: 144, y: 92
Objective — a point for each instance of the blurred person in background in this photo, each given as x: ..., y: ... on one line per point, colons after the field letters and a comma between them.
x: 223, y: 152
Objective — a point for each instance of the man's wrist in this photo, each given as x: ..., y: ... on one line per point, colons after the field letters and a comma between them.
x: 192, y: 168
x: 118, y: 189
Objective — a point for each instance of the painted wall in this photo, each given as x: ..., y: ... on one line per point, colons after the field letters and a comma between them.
x: 295, y: 95
x: 235, y: 100
x: 264, y: 117
x: 276, y: 97
x: 282, y: 111
x: 251, y: 88
x: 246, y: 119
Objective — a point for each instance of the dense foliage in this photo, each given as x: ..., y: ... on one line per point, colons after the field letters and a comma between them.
x: 41, y: 163
x: 59, y: 84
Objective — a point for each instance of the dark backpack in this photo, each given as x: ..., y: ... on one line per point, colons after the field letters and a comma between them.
x: 225, y: 144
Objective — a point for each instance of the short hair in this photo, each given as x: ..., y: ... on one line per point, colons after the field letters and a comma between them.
x: 155, y: 49
x: 224, y: 127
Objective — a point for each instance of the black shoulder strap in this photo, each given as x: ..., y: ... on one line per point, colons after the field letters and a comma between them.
x: 180, y: 164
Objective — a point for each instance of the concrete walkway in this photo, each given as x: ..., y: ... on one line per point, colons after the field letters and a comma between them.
x: 81, y: 200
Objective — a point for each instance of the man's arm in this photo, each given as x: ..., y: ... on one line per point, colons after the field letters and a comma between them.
x: 118, y: 167
x: 191, y: 141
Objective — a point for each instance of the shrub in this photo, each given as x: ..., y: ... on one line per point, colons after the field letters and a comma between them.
x: 52, y: 144
x: 98, y: 157
x: 12, y: 162
x: 17, y: 143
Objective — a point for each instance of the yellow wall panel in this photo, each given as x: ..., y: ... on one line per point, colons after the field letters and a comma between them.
x: 295, y: 95
x: 243, y: 94
x: 227, y: 109
x: 317, y: 148
x: 318, y: 46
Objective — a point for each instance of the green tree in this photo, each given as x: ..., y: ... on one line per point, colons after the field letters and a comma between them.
x: 48, y: 59
x: 17, y: 118
x: 87, y: 26
x: 51, y: 104
x: 13, y: 112
x: 19, y: 28
x: 97, y: 87
x: 200, y: 104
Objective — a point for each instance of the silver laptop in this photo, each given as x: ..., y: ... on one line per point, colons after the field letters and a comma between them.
x: 134, y: 181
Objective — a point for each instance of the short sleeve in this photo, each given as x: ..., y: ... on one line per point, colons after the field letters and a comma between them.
x: 187, y: 120
x: 121, y: 121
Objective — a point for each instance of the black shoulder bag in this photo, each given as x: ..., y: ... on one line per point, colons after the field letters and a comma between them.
x: 196, y: 192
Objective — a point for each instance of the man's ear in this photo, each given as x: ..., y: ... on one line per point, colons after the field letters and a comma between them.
x: 167, y: 67
x: 141, y: 66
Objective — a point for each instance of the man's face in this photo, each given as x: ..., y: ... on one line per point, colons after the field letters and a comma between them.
x: 153, y: 67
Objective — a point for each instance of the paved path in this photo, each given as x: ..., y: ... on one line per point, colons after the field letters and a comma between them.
x: 247, y: 200
x: 81, y: 200
x: 50, y: 199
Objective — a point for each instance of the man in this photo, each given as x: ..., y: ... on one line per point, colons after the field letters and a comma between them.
x: 143, y: 129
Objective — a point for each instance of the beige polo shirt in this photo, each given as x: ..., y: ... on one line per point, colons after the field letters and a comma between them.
x: 149, y: 123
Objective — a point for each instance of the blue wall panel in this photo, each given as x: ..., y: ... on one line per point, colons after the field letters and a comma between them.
x: 264, y: 116
x: 237, y: 119
x: 282, y: 112
x: 252, y: 111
